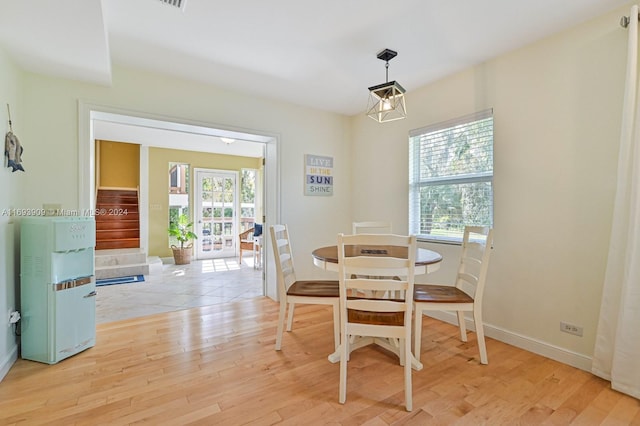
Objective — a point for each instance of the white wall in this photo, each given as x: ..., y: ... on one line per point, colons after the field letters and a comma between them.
x: 48, y: 128
x: 557, y: 114
x: 11, y: 185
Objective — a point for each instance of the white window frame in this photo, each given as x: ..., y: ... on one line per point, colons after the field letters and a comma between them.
x: 423, y: 139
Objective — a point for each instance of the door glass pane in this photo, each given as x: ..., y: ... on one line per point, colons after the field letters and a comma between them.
x: 247, y: 199
x: 206, y: 189
x: 218, y: 184
x: 207, y: 241
x: 178, y: 194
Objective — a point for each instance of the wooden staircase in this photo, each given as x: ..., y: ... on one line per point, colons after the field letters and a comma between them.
x: 117, y: 219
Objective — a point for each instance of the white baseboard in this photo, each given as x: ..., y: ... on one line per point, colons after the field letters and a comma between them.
x: 8, y: 362
x: 565, y: 356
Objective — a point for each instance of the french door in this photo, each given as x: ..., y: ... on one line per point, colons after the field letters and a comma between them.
x: 216, y: 201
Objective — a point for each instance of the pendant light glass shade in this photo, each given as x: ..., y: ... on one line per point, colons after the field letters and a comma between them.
x: 386, y: 101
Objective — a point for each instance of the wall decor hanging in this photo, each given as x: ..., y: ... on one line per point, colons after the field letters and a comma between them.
x: 12, y: 148
x: 318, y: 175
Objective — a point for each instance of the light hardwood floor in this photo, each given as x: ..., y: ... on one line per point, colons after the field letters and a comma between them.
x: 217, y: 365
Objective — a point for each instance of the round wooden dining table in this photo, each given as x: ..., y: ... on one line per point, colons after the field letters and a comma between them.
x: 427, y: 261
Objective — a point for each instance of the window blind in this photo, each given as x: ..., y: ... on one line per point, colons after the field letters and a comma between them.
x: 451, y: 176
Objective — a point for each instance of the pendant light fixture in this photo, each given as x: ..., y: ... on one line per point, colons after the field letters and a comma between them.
x: 386, y: 101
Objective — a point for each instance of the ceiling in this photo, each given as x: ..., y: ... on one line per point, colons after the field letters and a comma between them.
x: 164, y: 134
x: 320, y: 54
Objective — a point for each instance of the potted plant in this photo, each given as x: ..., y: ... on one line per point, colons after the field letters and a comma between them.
x: 181, y: 229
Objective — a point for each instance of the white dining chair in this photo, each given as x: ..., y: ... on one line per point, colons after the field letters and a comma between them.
x: 371, y: 227
x: 292, y: 290
x: 465, y: 295
x: 370, y: 317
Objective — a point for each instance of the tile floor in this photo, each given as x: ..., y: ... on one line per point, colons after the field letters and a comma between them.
x: 201, y: 283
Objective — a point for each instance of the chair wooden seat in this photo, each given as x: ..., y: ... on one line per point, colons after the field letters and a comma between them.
x: 375, y: 318
x: 439, y: 294
x: 314, y: 288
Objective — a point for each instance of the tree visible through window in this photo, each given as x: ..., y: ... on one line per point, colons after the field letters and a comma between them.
x: 451, y: 177
x: 247, y: 199
x: 178, y: 194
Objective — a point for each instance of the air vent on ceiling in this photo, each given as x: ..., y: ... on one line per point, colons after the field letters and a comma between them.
x: 180, y: 4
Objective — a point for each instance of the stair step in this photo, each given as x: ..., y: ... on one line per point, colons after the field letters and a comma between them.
x: 116, y: 224
x: 115, y: 271
x: 116, y: 209
x: 115, y: 244
x: 119, y: 257
x: 117, y: 198
x: 116, y: 234
x: 115, y: 194
x: 109, y: 217
x: 127, y: 192
x: 124, y: 262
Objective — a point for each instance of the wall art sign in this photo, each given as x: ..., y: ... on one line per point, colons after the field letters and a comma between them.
x: 318, y: 175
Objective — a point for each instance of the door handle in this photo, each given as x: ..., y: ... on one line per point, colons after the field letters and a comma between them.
x: 92, y: 294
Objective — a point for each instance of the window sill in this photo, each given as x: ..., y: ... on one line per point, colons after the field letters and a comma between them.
x: 442, y: 240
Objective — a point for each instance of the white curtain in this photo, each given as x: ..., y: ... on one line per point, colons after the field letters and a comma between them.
x: 617, y: 350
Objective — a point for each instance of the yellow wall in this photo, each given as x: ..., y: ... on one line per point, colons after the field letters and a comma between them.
x: 119, y: 164
x: 159, y: 159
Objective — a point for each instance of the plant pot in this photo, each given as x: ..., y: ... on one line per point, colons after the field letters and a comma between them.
x: 181, y: 256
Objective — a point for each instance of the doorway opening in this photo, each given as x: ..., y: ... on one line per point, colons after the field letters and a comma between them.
x: 98, y: 121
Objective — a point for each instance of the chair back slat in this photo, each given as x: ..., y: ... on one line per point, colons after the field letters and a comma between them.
x: 376, y: 305
x: 371, y: 227
x: 376, y: 285
x: 468, y: 278
x: 281, y: 242
x: 285, y: 272
x: 477, y: 242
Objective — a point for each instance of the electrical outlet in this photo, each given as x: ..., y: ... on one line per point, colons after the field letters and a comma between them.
x: 570, y: 328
